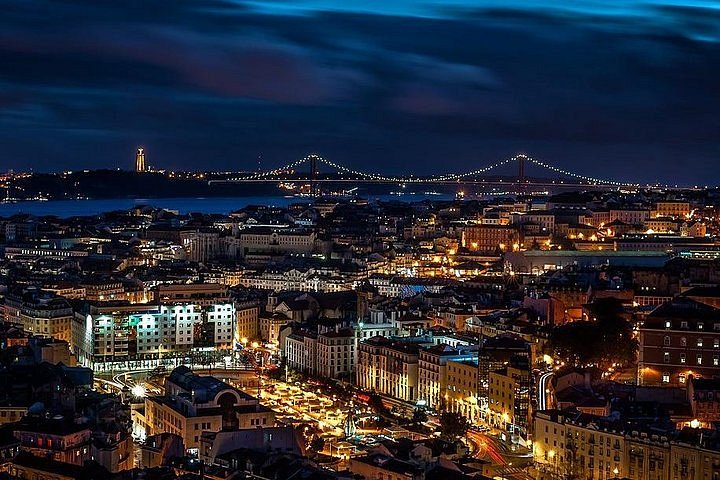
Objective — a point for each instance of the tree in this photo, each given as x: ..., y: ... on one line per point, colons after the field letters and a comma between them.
x: 453, y: 425
x: 376, y: 404
x: 419, y: 416
x: 605, y: 339
x: 317, y: 444
x: 563, y: 242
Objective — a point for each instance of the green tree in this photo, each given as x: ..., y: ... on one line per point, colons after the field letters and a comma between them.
x: 452, y: 425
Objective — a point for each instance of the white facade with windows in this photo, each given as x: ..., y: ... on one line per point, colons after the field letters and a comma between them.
x: 171, y: 329
x: 301, y: 352
x: 222, y: 317
x: 336, y: 354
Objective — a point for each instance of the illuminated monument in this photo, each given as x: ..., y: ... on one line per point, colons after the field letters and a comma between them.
x: 140, y: 160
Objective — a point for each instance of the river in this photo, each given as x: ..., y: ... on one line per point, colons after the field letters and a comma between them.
x: 221, y: 205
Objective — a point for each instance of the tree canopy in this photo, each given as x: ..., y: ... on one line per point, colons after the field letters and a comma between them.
x: 605, y: 339
x: 376, y: 404
x: 453, y: 425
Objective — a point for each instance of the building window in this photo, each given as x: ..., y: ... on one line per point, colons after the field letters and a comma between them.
x: 682, y: 358
x: 699, y: 342
x: 667, y: 324
x: 666, y: 377
x: 666, y: 357
x: 683, y: 342
x: 681, y: 378
x: 700, y: 325
x: 699, y: 359
x: 716, y: 360
x: 666, y: 341
x: 684, y: 324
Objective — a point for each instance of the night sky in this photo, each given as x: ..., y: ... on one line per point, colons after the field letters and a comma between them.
x: 611, y: 88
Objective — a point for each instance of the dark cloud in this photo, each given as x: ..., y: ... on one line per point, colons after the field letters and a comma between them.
x: 626, y: 90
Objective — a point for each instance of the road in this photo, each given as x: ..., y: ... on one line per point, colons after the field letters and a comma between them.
x: 307, y: 403
x: 544, y: 397
x: 509, y: 464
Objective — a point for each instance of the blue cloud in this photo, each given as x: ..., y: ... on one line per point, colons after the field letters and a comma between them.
x: 212, y: 83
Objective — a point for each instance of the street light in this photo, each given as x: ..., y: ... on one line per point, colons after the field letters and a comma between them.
x: 138, y: 391
x: 551, y: 456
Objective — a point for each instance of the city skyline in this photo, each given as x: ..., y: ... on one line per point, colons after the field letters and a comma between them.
x: 360, y: 240
x: 504, y: 168
x: 215, y: 85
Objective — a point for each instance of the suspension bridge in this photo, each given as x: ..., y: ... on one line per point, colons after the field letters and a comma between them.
x: 307, y: 169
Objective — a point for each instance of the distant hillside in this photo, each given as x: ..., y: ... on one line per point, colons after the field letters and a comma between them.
x: 124, y: 184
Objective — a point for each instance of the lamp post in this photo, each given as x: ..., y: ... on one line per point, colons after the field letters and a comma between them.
x: 551, y: 455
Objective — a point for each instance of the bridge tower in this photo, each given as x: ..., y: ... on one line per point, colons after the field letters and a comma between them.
x: 521, y: 174
x: 313, y: 174
x: 521, y: 169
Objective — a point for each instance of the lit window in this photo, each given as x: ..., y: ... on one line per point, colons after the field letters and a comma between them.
x: 681, y: 378
x: 699, y: 342
x: 666, y: 377
x: 682, y: 358
x: 666, y: 357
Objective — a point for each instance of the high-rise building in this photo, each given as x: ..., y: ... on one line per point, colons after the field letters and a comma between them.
x: 140, y: 160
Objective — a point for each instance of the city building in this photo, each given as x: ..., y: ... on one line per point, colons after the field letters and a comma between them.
x: 672, y: 208
x: 336, y: 354
x: 40, y: 313
x: 193, y: 404
x: 201, y: 294
x: 462, y: 389
x: 433, y: 373
x: 145, y: 334
x: 389, y: 367
x: 577, y: 445
x: 301, y: 352
x: 679, y: 339
x: 64, y: 440
x: 201, y: 246
x: 247, y: 325
x: 490, y: 238
x: 509, y: 396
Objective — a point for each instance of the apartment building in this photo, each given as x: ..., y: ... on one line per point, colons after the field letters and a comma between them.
x: 433, y: 373
x: 40, y: 313
x: 490, y: 238
x: 194, y: 404
x: 576, y: 445
x: 462, y: 388
x: 679, y: 339
x: 247, y: 321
